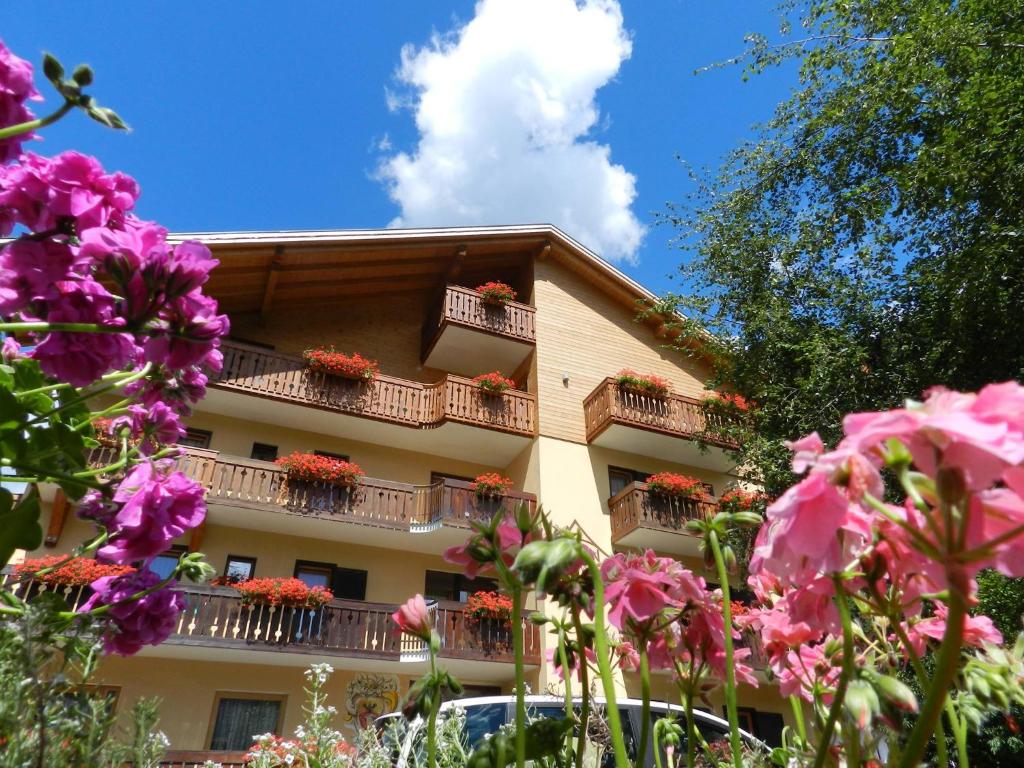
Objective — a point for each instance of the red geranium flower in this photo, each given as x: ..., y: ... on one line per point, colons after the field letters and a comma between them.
x: 495, y: 292
x: 491, y: 484
x: 73, y: 572
x: 494, y: 382
x: 291, y: 593
x: 325, y: 469
x: 355, y: 366
x: 676, y: 485
x: 646, y: 383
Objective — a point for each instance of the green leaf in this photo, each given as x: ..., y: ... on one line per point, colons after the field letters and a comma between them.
x: 19, y: 523
x: 108, y: 117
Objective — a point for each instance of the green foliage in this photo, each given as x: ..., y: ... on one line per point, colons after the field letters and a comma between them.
x: 869, y: 241
x: 49, y: 713
x: 1002, y: 600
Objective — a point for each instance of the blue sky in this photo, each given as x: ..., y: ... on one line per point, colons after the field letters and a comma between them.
x: 264, y: 115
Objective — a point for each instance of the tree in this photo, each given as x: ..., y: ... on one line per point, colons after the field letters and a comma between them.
x: 869, y: 242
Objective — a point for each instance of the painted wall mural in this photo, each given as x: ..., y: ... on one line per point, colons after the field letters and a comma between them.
x: 369, y: 695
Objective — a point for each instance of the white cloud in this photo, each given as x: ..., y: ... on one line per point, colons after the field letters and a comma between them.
x: 504, y: 106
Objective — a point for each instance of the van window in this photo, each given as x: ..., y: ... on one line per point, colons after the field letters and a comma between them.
x: 483, y: 719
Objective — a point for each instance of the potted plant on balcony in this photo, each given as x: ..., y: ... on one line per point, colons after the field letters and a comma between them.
x: 740, y: 500
x: 318, y: 483
x: 642, y: 383
x: 282, y: 592
x: 496, y: 293
x: 490, y: 489
x: 64, y: 571
x: 494, y: 383
x: 488, y: 616
x: 673, y: 485
x: 725, y: 403
x: 327, y: 361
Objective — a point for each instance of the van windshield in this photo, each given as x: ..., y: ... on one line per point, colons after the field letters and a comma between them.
x: 483, y: 719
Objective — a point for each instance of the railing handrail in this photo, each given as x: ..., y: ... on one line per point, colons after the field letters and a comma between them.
x: 470, y: 292
x: 631, y: 508
x: 387, y: 398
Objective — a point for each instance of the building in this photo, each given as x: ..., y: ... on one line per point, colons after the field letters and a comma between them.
x: 567, y: 436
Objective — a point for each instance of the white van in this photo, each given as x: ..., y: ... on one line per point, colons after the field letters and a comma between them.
x: 486, y: 714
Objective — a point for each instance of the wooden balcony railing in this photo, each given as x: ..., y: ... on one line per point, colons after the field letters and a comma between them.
x: 465, y: 307
x: 217, y: 616
x: 671, y: 414
x: 382, y: 503
x: 636, y: 507
x: 413, y: 404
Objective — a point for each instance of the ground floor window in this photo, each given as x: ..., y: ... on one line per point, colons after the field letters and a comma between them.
x: 237, y: 717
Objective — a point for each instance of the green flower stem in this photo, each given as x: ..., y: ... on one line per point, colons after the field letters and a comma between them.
x: 730, y: 672
x: 645, y: 703
x: 39, y: 325
x: 517, y: 647
x: 563, y: 659
x: 42, y: 475
x: 922, y: 678
x: 435, y: 705
x: 691, y: 735
x: 657, y: 751
x: 947, y: 664
x: 604, y: 666
x: 798, y: 717
x: 41, y: 122
x: 845, y: 674
x: 581, y: 739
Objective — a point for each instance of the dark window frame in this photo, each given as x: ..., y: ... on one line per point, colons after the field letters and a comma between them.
x: 337, y: 577
x: 175, y: 550
x: 240, y: 559
x: 437, y: 477
x: 254, y: 450
x: 205, y: 437
x: 458, y: 579
x: 331, y: 455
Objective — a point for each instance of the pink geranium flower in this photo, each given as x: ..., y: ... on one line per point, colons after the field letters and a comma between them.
x: 413, y: 618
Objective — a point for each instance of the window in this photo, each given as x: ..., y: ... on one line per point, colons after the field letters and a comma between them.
x: 263, y: 452
x: 314, y: 574
x: 482, y: 720
x: 441, y: 585
x: 344, y: 583
x: 238, y: 568
x: 238, y: 716
x: 165, y: 563
x: 330, y: 455
x: 196, y: 438
x: 349, y: 584
x: 251, y: 343
x: 619, y: 478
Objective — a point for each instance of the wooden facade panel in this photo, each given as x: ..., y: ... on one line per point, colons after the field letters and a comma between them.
x: 585, y: 333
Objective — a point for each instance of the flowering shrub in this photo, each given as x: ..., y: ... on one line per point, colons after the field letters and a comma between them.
x: 68, y: 572
x: 494, y: 383
x: 494, y: 292
x: 725, y: 402
x: 491, y: 484
x: 94, y: 302
x: 675, y: 485
x: 324, y: 469
x: 290, y: 593
x: 354, y: 366
x: 487, y: 605
x: 648, y: 384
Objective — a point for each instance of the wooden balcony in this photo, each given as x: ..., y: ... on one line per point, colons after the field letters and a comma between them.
x: 667, y: 427
x: 451, y: 417
x: 466, y: 335
x: 258, y: 494
x: 643, y: 520
x: 216, y: 617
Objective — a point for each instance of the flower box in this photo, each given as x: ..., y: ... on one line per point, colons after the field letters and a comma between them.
x: 286, y: 593
x: 643, y: 383
x: 725, y: 402
x: 488, y: 606
x: 676, y: 486
x: 491, y: 484
x: 73, y: 572
x: 496, y: 293
x: 493, y: 383
x: 739, y: 500
x: 355, y: 366
x: 324, y: 469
